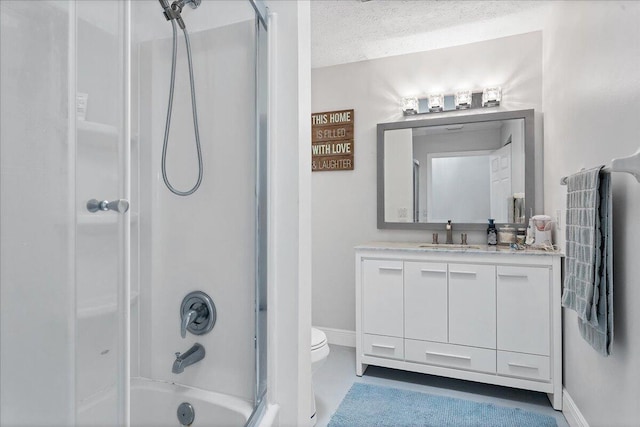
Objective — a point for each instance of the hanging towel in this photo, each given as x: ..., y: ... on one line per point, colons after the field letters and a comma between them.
x: 588, y: 284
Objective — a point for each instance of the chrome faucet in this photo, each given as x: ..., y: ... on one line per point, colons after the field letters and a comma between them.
x: 191, y: 356
x: 449, y: 229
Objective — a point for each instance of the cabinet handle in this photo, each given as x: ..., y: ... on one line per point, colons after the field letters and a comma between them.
x: 390, y: 268
x: 514, y: 276
x: 426, y: 270
x: 518, y: 365
x: 388, y: 347
x: 471, y: 273
x: 454, y: 356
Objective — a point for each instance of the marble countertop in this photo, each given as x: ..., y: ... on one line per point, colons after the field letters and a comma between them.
x: 455, y: 248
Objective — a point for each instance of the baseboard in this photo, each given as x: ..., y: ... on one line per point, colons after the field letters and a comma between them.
x: 339, y: 336
x: 571, y: 412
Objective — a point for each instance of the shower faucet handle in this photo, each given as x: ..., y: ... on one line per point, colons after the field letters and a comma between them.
x: 119, y: 205
x: 188, y: 318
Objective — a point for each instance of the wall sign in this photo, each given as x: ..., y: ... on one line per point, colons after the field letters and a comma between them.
x: 332, y: 141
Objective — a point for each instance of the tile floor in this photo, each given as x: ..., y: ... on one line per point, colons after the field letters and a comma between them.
x: 334, y: 379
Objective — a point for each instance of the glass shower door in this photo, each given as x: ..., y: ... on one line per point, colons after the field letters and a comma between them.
x: 64, y: 274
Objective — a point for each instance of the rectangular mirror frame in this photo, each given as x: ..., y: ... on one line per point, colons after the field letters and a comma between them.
x: 529, y: 167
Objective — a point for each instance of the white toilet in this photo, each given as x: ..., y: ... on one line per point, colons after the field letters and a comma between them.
x: 319, y: 353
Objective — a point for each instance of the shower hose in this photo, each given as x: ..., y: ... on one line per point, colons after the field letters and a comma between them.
x: 170, y: 108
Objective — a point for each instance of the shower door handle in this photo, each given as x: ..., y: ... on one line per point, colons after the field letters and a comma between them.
x: 120, y: 205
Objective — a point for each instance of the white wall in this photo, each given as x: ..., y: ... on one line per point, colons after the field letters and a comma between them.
x: 591, y: 98
x: 290, y: 212
x: 398, y: 181
x: 446, y: 176
x: 344, y: 202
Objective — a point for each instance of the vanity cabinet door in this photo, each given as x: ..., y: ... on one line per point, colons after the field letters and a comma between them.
x: 524, y: 323
x: 382, y: 301
x: 425, y: 301
x: 472, y: 305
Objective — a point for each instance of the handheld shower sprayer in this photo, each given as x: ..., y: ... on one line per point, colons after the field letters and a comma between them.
x: 173, y: 13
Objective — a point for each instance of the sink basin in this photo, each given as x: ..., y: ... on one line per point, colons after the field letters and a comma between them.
x: 448, y: 246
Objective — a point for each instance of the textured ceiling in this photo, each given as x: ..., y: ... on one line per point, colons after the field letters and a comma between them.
x: 345, y: 31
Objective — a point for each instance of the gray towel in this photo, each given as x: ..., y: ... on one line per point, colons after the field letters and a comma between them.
x: 588, y: 284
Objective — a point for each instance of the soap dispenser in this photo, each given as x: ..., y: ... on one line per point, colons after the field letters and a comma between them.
x: 492, y: 238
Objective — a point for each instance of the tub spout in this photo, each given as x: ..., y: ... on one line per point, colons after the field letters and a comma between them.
x: 191, y: 356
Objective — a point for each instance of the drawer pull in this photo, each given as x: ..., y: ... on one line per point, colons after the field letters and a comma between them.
x: 518, y: 365
x: 514, y: 276
x: 426, y: 270
x: 470, y: 273
x: 390, y: 268
x: 454, y: 356
x: 387, y: 347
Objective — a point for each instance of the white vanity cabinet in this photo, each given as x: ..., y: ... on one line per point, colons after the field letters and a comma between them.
x: 486, y: 315
x: 472, y: 305
x: 426, y: 311
x: 382, y: 297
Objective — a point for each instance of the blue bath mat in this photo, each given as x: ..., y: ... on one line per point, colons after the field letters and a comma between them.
x: 369, y: 405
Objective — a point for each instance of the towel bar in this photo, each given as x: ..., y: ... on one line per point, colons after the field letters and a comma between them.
x: 630, y: 164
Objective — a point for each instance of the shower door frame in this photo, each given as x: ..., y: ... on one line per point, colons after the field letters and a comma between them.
x: 124, y: 232
x: 261, y: 244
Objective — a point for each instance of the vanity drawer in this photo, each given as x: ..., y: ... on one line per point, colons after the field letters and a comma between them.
x: 382, y: 346
x: 524, y: 365
x: 449, y: 355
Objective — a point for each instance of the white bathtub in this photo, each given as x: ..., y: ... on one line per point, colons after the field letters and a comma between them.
x: 155, y: 404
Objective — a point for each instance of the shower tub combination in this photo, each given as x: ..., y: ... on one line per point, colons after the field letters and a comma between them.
x: 145, y: 148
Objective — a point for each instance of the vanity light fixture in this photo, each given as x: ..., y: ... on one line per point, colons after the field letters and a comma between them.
x: 491, y: 96
x: 459, y: 100
x: 463, y: 99
x: 409, y: 106
x: 436, y: 103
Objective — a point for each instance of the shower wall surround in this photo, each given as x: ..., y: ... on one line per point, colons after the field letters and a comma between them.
x: 198, y: 242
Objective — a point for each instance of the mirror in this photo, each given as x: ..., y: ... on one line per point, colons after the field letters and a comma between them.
x: 464, y: 168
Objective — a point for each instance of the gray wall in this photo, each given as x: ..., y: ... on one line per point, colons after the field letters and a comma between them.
x: 344, y: 202
x: 591, y: 97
